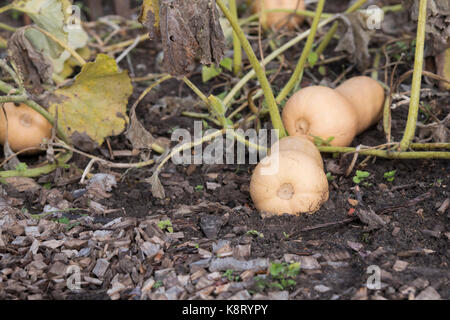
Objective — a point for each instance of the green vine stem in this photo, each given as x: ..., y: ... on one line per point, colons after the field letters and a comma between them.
x: 387, y: 120
x: 430, y: 146
x: 296, y: 76
x: 410, y: 129
x: 6, y: 8
x: 237, y: 87
x: 7, y: 27
x: 196, y: 90
x: 330, y: 34
x: 61, y: 161
x: 389, y: 154
x: 237, y: 50
x: 265, y: 85
x: 376, y: 65
x: 203, y: 116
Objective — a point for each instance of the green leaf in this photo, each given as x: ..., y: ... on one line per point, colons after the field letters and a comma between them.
x: 290, y: 283
x: 22, y: 166
x: 276, y: 269
x: 277, y: 285
x: 163, y: 224
x: 362, y: 174
x: 222, y: 95
x: 390, y: 174
x: 322, y: 70
x: 95, y: 105
x: 64, y: 220
x: 227, y: 63
x: 312, y: 58
x: 293, y: 269
x: 356, y: 180
x: 210, y: 72
x: 318, y: 141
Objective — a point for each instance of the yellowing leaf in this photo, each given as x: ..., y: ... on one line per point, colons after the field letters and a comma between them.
x: 95, y: 105
x: 50, y: 15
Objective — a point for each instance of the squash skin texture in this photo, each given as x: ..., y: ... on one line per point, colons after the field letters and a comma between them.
x: 301, y: 144
x: 306, y: 180
x: 323, y: 112
x: 26, y: 127
x: 276, y: 20
x: 367, y: 97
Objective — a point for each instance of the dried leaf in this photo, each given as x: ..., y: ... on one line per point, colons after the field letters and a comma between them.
x: 190, y: 30
x: 370, y: 218
x: 157, y: 187
x: 95, y: 105
x: 443, y: 68
x: 52, y: 16
x: 32, y: 64
x: 139, y: 137
x: 355, y: 38
x: 438, y: 22
x: 439, y: 132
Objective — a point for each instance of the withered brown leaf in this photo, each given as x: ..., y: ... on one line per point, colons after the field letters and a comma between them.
x: 33, y: 65
x: 189, y: 30
x: 355, y: 38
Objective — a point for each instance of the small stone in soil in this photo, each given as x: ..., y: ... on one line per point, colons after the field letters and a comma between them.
x: 306, y: 262
x: 279, y: 295
x: 396, y: 231
x: 211, y: 225
x: 429, y: 294
x: 321, y: 288
x: 400, y: 265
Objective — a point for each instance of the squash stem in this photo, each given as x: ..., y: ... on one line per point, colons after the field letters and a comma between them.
x: 265, y: 85
x: 410, y: 129
x: 298, y: 72
x: 237, y: 49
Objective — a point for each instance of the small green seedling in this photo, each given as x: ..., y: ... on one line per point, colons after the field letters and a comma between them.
x: 21, y: 167
x: 166, y: 225
x: 255, y: 233
x: 313, y: 57
x: 212, y: 71
x: 229, y: 275
x: 47, y: 186
x: 158, y: 284
x: 330, y: 177
x: 365, y: 238
x: 199, y: 187
x: 390, y: 175
x: 360, y: 176
x: 318, y: 141
x: 66, y: 221
x: 284, y: 274
x: 322, y: 70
